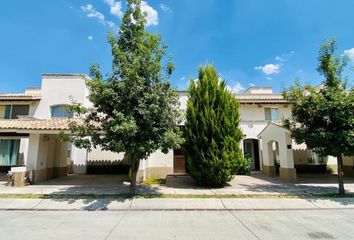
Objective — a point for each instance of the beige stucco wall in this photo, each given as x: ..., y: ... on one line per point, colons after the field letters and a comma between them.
x: 158, y: 165
x: 299, y: 153
x: 58, y: 90
x: 275, y: 133
x: 97, y: 154
x: 46, y: 157
x: 255, y: 112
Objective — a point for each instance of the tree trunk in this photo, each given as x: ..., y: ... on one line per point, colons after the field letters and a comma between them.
x: 340, y: 174
x: 134, y: 170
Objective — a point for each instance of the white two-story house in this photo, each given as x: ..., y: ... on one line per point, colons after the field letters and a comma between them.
x: 31, y: 121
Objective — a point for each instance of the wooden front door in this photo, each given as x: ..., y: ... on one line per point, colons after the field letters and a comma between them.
x: 179, y: 164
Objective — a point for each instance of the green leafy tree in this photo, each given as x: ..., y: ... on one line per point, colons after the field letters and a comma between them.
x: 135, y: 110
x: 324, y: 118
x: 212, y: 134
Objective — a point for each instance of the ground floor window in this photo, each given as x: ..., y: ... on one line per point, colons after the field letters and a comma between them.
x: 9, y: 152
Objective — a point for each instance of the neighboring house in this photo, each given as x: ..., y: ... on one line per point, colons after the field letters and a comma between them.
x: 30, y: 123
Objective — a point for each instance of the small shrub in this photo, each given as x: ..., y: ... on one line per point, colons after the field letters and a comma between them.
x: 243, y: 166
x: 151, y: 181
x: 329, y: 170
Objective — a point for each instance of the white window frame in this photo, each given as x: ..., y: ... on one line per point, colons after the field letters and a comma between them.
x: 57, y: 105
x: 273, y: 117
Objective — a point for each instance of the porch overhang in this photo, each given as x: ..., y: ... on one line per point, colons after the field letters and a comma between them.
x: 18, y: 98
x: 35, y: 126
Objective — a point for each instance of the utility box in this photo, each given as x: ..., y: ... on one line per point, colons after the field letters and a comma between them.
x: 19, y: 176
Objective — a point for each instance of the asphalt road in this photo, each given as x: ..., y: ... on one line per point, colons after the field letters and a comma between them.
x: 172, y: 224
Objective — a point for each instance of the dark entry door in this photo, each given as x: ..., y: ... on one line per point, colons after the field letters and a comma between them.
x: 257, y: 166
x: 251, y: 150
x: 179, y: 162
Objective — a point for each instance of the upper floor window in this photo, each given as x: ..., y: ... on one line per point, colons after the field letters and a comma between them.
x: 271, y: 114
x: 13, y: 111
x: 60, y: 111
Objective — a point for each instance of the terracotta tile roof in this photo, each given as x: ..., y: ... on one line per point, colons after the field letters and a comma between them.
x: 34, y: 124
x: 247, y: 98
x: 19, y: 96
x: 260, y: 98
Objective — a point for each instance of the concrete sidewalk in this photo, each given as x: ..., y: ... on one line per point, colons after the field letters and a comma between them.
x: 170, y: 204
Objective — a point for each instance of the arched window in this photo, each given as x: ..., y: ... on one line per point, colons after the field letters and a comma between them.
x: 60, y: 111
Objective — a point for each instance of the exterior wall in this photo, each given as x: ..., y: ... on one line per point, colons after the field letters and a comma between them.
x: 300, y: 153
x: 251, y: 129
x: 57, y: 90
x: 46, y: 157
x: 33, y: 108
x: 158, y: 165
x: 23, y: 151
x: 97, y: 154
x: 348, y: 168
x: 78, y: 158
x: 61, y: 90
x: 255, y: 112
x: 275, y: 133
x: 183, y: 99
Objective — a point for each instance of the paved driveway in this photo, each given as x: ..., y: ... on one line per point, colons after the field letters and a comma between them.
x: 257, y: 183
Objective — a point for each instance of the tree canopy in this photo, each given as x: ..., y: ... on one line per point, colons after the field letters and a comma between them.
x: 135, y: 109
x: 323, y: 117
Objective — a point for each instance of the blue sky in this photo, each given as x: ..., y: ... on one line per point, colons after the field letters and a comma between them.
x: 251, y: 42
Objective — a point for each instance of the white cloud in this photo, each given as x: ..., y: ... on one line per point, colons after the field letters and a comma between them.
x: 152, y: 17
x: 237, y: 88
x: 90, y: 38
x: 116, y: 7
x: 251, y: 84
x: 165, y: 8
x: 269, y: 78
x: 92, y: 13
x: 280, y: 59
x: 284, y: 57
x: 111, y: 24
x: 269, y: 69
x: 350, y: 53
x: 182, y: 78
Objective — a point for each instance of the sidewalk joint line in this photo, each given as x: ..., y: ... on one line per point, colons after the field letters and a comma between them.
x: 239, y: 220
x: 35, y: 206
x: 116, y: 225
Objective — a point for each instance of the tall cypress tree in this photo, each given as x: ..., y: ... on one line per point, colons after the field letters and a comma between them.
x: 212, y: 130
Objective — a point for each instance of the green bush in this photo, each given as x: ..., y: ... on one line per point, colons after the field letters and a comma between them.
x: 212, y: 130
x: 243, y: 166
x: 152, y: 181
